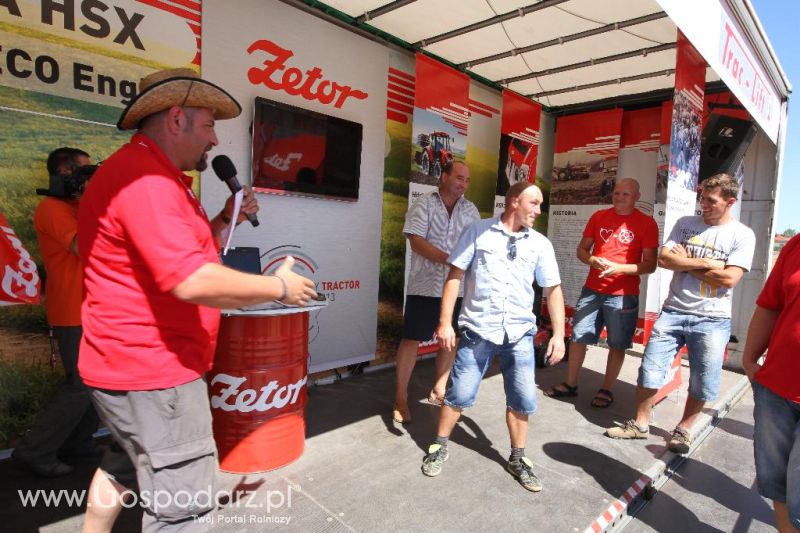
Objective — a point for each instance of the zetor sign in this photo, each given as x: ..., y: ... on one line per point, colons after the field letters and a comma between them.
x: 310, y: 84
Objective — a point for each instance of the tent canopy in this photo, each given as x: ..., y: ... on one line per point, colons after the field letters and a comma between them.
x: 557, y: 52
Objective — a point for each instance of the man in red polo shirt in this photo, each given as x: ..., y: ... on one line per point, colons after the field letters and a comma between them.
x: 153, y: 289
x: 619, y: 244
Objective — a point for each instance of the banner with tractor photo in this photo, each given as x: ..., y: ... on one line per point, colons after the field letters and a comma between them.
x: 439, y: 125
x: 584, y: 174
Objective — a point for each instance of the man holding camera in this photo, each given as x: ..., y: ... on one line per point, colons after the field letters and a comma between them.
x: 66, y: 425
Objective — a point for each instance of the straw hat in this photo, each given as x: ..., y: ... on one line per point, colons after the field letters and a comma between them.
x: 178, y: 86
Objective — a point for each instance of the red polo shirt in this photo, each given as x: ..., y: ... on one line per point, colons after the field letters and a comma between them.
x: 141, y: 231
x: 620, y: 239
x: 781, y: 370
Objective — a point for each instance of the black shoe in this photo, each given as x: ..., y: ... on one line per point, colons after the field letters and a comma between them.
x: 85, y: 452
x: 46, y: 468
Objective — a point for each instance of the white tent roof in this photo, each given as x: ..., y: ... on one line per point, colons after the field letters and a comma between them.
x: 557, y: 52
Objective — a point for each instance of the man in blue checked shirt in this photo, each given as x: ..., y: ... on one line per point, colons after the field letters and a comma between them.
x: 499, y: 259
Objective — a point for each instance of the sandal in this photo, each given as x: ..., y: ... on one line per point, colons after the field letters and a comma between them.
x: 566, y: 391
x: 401, y: 414
x: 602, y: 399
x: 435, y: 399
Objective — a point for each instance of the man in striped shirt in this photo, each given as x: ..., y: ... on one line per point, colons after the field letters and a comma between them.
x: 433, y: 225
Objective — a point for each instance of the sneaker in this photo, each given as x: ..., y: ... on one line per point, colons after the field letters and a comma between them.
x: 681, y: 441
x: 522, y: 469
x: 432, y: 464
x: 630, y: 430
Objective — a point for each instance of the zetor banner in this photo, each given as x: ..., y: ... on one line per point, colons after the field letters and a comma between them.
x: 20, y: 280
x: 519, y: 144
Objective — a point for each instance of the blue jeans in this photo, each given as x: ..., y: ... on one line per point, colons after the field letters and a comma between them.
x: 617, y: 312
x: 705, y: 339
x: 473, y: 359
x: 777, y: 449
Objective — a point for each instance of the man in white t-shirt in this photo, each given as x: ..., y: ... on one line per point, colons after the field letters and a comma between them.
x: 709, y: 254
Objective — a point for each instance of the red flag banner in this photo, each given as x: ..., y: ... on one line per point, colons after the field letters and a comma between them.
x: 519, y: 141
x: 20, y: 280
x: 443, y: 91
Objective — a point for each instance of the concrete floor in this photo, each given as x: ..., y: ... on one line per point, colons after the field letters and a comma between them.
x: 361, y: 471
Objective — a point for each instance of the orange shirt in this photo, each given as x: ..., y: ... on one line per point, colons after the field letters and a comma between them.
x: 56, y: 224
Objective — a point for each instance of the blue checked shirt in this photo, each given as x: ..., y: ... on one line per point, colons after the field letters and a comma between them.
x: 498, y: 284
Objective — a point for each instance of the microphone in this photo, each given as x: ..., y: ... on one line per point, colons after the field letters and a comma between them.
x: 223, y: 167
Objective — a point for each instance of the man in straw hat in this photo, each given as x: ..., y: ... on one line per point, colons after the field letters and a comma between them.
x: 153, y: 289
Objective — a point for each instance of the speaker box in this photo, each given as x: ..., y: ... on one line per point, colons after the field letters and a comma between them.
x: 725, y: 141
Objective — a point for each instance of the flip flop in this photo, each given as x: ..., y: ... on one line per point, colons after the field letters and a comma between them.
x: 435, y: 399
x: 602, y: 399
x: 566, y: 391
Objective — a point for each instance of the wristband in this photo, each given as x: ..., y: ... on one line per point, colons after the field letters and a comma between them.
x: 224, y: 218
x: 285, y: 288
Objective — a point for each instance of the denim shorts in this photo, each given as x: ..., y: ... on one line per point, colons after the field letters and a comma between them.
x: 618, y: 313
x: 777, y: 449
x: 475, y: 355
x: 705, y: 339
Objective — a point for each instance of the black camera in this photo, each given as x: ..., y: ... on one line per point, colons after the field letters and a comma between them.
x: 70, y: 186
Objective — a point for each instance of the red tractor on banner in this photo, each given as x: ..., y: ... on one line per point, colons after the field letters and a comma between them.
x: 435, y: 152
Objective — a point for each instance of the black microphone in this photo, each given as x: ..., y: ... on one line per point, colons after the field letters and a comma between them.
x: 223, y: 167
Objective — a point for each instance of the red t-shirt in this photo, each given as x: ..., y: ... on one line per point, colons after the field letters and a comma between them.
x: 781, y: 370
x: 56, y: 223
x: 621, y: 239
x: 141, y: 231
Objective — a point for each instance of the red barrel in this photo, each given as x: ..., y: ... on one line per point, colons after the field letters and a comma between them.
x: 257, y: 389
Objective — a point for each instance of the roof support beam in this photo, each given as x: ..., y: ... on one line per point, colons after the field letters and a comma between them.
x: 565, y: 39
x: 388, y: 8
x: 521, y: 12
x: 590, y: 62
x: 605, y: 83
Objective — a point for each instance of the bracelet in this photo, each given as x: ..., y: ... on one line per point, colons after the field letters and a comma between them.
x: 224, y: 218
x: 285, y: 288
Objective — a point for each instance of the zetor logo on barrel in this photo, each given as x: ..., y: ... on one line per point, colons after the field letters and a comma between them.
x: 271, y: 396
x: 294, y: 81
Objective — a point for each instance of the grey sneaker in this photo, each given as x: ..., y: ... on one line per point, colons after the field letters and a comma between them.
x: 432, y: 464
x: 630, y: 430
x: 522, y: 469
x: 681, y: 441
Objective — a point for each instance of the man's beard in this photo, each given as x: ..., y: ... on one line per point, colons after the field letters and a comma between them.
x: 202, y: 163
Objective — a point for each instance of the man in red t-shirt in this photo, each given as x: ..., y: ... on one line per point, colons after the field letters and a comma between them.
x: 153, y: 289
x: 775, y: 327
x: 65, y: 427
x: 619, y: 245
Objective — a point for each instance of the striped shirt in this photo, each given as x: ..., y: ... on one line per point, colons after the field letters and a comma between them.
x: 428, y: 218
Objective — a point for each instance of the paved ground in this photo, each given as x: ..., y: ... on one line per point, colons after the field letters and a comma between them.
x: 714, y: 490
x: 360, y: 471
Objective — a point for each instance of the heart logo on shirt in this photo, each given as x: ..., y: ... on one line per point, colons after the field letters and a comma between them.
x: 606, y: 234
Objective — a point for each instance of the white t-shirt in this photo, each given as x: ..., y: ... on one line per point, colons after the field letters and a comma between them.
x: 732, y: 242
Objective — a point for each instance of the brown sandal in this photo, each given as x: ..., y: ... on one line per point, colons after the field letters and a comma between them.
x: 602, y: 399
x: 566, y: 391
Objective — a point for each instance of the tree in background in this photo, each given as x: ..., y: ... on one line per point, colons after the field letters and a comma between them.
x: 789, y: 232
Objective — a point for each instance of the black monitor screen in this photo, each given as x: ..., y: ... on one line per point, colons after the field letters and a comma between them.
x: 297, y: 151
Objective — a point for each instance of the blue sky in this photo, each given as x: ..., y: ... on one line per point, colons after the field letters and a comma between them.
x: 780, y: 20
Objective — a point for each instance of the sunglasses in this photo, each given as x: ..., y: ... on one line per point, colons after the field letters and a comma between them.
x: 512, y: 248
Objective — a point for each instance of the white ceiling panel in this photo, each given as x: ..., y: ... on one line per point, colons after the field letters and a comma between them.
x: 427, y: 18
x: 606, y: 44
x: 504, y: 6
x: 480, y: 43
x: 503, y: 68
x: 608, y: 71
x: 545, y: 25
x: 657, y: 31
x: 610, y: 91
x: 608, y: 11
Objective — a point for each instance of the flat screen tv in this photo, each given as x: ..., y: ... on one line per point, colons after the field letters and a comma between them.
x: 302, y: 152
